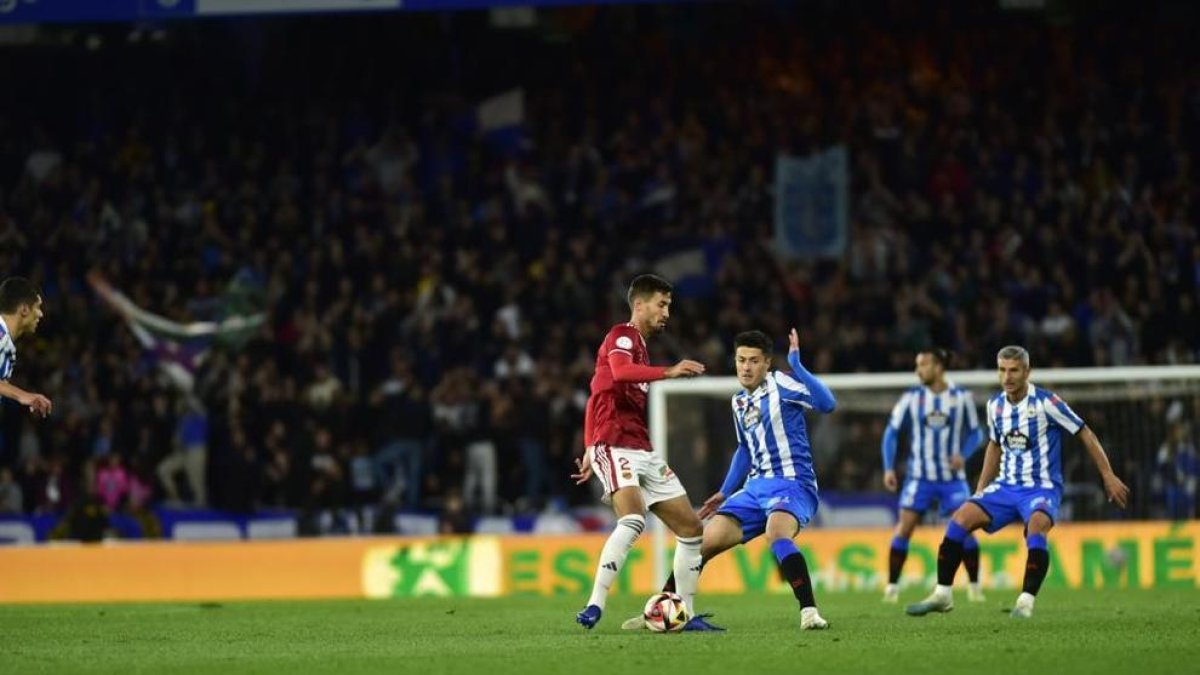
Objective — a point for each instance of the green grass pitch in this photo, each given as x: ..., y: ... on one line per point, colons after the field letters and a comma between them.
x: 1138, y: 632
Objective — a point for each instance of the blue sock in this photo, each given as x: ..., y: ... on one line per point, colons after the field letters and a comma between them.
x: 896, y: 558
x: 955, y: 532
x: 1036, y: 541
x: 782, y: 548
x: 970, y: 558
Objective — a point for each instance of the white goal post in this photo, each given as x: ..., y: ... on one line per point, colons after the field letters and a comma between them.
x: 1135, y: 383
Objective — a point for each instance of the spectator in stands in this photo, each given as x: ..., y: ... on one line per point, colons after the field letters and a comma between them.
x: 189, y: 456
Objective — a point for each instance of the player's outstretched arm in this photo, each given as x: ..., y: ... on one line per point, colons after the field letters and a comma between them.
x: 37, y: 404
x: 991, y: 466
x: 625, y: 370
x: 1116, y: 490
x: 685, y: 368
x: 822, y: 397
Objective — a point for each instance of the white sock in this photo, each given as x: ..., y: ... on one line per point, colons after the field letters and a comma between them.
x: 612, y: 557
x: 687, y: 569
x: 1026, y: 599
x: 942, y: 590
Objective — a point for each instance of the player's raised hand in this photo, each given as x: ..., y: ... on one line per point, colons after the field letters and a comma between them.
x: 685, y: 368
x: 711, y: 505
x: 889, y: 481
x: 793, y: 341
x: 584, y: 465
x: 1116, y: 490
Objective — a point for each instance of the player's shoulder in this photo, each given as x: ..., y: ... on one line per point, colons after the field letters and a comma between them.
x: 786, y: 380
x: 1045, y: 395
x: 622, y: 336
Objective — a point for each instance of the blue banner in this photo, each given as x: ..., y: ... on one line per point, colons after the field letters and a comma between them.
x: 82, y: 11
x: 812, y: 203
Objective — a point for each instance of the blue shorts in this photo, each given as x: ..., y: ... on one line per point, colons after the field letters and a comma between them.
x: 751, y: 505
x: 919, y: 494
x: 1006, y: 503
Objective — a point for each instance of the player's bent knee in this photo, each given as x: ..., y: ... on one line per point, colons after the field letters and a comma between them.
x: 722, y: 534
x: 970, y: 517
x: 1039, y: 523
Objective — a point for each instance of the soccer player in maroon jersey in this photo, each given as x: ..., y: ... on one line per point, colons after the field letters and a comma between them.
x: 619, y: 453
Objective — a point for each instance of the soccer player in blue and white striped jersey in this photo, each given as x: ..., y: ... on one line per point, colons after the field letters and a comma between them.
x: 943, y: 432
x: 20, y: 313
x: 1021, y: 479
x: 771, y: 484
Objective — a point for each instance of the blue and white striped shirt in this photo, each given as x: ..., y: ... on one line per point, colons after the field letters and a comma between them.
x: 771, y: 428
x: 1029, y: 434
x: 939, y: 426
x: 8, y: 352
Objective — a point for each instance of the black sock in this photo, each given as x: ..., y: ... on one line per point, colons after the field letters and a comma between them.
x: 950, y: 553
x: 669, y: 587
x: 795, y: 570
x: 896, y: 560
x: 1036, y: 566
x: 970, y: 559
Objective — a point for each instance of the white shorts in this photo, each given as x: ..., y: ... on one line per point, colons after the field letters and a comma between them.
x: 625, y: 467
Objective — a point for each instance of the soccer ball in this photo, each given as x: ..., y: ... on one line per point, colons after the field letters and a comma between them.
x: 665, y: 613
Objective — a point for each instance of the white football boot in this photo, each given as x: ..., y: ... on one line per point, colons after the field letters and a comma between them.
x: 1023, y: 609
x: 940, y: 600
x: 634, y: 623
x: 810, y: 619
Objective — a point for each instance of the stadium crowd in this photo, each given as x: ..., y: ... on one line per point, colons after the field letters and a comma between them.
x: 435, y: 296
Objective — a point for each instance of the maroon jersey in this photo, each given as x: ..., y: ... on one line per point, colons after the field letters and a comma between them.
x: 618, y: 409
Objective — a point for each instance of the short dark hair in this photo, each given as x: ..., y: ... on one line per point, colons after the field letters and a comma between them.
x: 17, y: 291
x: 645, y: 286
x: 755, y: 339
x: 940, y: 354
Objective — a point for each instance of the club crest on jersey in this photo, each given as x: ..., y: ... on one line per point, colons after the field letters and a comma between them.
x: 936, y: 419
x: 751, y: 417
x: 624, y: 342
x: 1016, y: 440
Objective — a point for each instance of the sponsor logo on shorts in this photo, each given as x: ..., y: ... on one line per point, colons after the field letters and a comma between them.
x: 1041, y: 503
